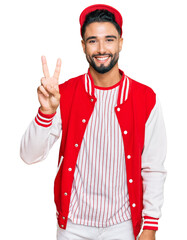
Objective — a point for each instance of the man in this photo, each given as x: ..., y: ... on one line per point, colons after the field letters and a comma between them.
x: 110, y: 174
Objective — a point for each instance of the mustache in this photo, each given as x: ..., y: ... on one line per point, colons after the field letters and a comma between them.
x: 99, y: 55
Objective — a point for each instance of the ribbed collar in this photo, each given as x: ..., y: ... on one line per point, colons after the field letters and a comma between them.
x: 123, y: 86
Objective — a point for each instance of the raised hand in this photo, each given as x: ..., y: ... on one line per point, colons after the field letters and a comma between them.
x: 48, y: 91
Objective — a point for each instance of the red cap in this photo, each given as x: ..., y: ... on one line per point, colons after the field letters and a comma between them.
x: 117, y: 15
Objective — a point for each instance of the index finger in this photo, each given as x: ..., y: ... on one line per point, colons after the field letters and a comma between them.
x: 57, y: 69
x: 45, y: 67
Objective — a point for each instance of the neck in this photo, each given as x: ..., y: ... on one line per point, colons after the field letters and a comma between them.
x: 107, y: 79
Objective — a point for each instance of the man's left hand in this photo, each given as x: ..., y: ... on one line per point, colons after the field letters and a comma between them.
x: 147, y: 235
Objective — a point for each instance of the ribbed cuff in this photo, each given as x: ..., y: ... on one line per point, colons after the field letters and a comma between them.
x: 44, y: 120
x: 150, y: 223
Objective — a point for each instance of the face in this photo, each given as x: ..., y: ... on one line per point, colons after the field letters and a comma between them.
x: 102, y: 44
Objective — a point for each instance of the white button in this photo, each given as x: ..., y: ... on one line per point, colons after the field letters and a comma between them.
x: 76, y: 145
x: 83, y: 120
x: 65, y: 194
x: 128, y: 156
x: 130, y: 180
x: 118, y: 109
x: 125, y: 132
x: 63, y: 217
x: 91, y: 99
x: 134, y: 204
x: 62, y: 226
x: 70, y: 169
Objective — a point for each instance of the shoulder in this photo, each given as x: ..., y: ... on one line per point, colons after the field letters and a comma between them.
x: 140, y: 87
x: 141, y: 91
x: 143, y: 95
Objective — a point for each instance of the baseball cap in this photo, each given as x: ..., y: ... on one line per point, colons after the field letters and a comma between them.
x: 117, y: 14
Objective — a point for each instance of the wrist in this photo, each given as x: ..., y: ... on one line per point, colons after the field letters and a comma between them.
x: 47, y: 111
x: 149, y: 232
x: 148, y: 235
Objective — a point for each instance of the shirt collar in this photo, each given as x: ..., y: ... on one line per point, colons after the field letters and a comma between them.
x: 123, y: 87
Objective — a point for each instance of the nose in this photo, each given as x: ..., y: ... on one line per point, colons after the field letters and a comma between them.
x: 101, y: 47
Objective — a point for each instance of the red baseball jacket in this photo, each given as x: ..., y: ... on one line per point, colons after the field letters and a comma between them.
x: 144, y: 140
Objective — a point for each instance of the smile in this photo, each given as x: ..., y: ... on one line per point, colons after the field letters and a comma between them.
x: 102, y: 59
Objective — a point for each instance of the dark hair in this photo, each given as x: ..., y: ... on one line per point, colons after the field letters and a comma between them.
x: 100, y: 16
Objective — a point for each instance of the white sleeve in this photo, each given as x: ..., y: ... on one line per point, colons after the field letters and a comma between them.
x: 40, y: 136
x: 153, y: 171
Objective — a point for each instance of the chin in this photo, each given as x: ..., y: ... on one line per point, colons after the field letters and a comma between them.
x: 102, y: 71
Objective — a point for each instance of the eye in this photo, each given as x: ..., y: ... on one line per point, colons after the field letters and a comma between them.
x: 92, y: 41
x: 110, y: 39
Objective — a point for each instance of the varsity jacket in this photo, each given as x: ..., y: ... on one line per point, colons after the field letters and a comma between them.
x: 140, y: 119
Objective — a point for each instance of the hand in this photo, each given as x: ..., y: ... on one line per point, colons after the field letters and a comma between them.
x: 147, y: 235
x: 48, y: 91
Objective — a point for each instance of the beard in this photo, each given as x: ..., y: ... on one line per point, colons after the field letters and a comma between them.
x: 102, y: 68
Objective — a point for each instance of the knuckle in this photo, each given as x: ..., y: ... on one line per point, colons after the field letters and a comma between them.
x: 38, y: 89
x: 43, y: 80
x: 58, y: 96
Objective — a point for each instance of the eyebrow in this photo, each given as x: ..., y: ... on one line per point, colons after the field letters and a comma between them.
x: 111, y: 36
x: 94, y: 37
x: 91, y: 37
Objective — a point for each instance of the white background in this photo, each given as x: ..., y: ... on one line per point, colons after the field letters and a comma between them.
x: 154, y: 53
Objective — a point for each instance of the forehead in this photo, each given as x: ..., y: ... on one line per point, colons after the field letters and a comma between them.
x: 100, y: 29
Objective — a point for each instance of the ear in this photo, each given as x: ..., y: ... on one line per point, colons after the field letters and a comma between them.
x: 83, y: 45
x: 120, y: 43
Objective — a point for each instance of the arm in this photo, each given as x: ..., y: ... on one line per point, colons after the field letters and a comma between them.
x: 40, y: 136
x: 153, y: 171
x: 45, y: 129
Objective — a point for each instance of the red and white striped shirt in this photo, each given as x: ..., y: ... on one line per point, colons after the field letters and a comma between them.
x: 99, y: 194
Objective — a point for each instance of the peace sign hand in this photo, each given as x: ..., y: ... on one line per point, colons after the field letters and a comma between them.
x: 48, y: 91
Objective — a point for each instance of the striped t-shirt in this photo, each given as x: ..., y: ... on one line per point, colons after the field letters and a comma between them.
x: 99, y: 194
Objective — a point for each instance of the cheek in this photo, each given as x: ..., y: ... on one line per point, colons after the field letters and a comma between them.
x: 113, y: 48
x: 90, y: 49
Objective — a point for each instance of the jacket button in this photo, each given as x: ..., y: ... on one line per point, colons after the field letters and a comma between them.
x: 76, y: 145
x: 118, y: 109
x: 130, y: 180
x: 91, y: 99
x: 125, y: 132
x: 65, y: 194
x: 83, y: 120
x: 134, y: 204
x: 128, y: 156
x: 63, y: 217
x: 62, y: 226
x: 69, y: 169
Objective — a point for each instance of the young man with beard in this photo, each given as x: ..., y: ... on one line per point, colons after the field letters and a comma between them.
x: 109, y: 183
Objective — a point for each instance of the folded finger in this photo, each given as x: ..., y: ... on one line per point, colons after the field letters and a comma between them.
x: 43, y: 91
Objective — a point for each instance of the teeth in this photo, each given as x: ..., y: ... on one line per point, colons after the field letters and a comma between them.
x: 102, y: 58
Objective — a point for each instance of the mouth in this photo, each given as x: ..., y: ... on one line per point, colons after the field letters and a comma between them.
x: 102, y: 59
